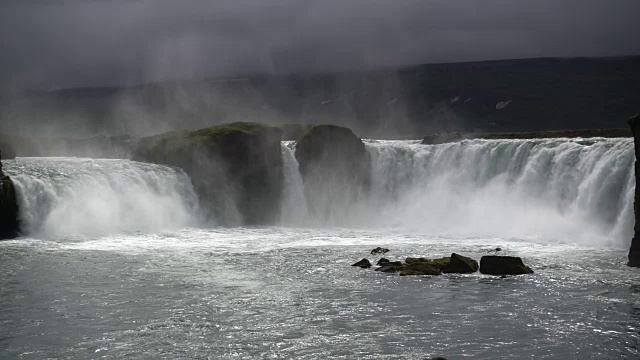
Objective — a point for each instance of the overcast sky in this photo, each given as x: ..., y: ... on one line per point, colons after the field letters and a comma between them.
x: 67, y: 43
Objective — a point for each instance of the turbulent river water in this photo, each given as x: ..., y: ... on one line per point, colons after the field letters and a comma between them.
x: 116, y: 262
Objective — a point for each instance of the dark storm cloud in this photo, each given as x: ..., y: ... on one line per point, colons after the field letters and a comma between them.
x: 73, y: 43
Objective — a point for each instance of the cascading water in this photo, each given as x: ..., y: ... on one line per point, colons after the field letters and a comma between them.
x: 294, y: 203
x: 61, y: 197
x: 566, y: 190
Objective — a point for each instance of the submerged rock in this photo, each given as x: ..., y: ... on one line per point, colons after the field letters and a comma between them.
x: 236, y: 169
x: 9, y: 226
x: 460, y: 265
x: 364, y: 263
x: 379, y: 250
x: 503, y: 265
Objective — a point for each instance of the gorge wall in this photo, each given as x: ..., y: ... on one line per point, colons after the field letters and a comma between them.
x: 634, y: 251
x: 9, y: 226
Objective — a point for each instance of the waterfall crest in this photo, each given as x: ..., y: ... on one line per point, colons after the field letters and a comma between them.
x: 568, y: 190
x: 72, y: 197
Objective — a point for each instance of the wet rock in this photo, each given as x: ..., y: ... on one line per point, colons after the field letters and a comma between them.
x: 391, y: 267
x: 9, y: 226
x: 503, y: 265
x: 364, y: 263
x: 634, y: 250
x: 441, y: 263
x: 379, y: 250
x: 411, y: 260
x: 460, y: 265
x: 382, y: 261
x: 420, y: 268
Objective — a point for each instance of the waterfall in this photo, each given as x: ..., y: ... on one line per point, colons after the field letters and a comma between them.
x: 550, y: 190
x: 294, y: 205
x: 566, y: 190
x: 71, y: 197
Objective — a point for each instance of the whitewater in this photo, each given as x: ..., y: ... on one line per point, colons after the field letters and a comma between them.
x: 117, y: 261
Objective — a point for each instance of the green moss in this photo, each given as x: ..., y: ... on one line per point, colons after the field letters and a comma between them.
x: 424, y: 268
x: 441, y: 263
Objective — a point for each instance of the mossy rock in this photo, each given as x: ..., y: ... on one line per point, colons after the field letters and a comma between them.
x: 503, y: 265
x: 439, y: 263
x: 391, y: 267
x: 411, y: 260
x: 236, y: 169
x: 460, y: 265
x: 422, y: 268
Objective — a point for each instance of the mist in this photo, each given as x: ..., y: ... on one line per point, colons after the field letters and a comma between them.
x: 98, y: 43
x: 81, y: 69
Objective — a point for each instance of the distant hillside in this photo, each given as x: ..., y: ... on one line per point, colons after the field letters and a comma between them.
x: 496, y: 96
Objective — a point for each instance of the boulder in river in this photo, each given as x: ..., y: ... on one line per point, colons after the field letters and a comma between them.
x: 364, y: 263
x: 503, y: 265
x: 460, y: 265
x: 420, y: 268
x: 379, y: 250
x: 391, y: 266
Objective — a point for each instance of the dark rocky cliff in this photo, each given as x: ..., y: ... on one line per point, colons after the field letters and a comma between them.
x: 335, y: 166
x: 236, y: 169
x: 634, y: 251
x: 8, y: 207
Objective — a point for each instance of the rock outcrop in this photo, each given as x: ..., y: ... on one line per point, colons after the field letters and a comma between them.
x: 236, y: 169
x: 455, y: 264
x: 335, y: 167
x: 9, y: 226
x: 503, y: 265
x: 460, y: 265
x: 634, y: 251
x: 364, y: 264
x: 379, y: 250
